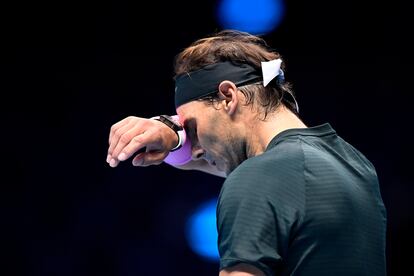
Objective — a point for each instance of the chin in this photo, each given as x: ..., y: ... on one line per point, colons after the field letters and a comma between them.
x: 221, y: 167
x: 228, y: 169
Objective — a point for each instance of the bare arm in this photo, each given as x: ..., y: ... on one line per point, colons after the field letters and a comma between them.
x: 129, y: 136
x: 241, y: 270
x: 202, y: 165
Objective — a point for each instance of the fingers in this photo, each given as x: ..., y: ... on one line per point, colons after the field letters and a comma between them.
x: 121, y: 134
x: 125, y: 151
x: 150, y: 140
x: 130, y: 136
x: 130, y: 128
x: 117, y: 126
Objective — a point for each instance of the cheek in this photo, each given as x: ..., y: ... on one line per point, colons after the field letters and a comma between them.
x: 212, y: 143
x: 203, y: 138
x: 209, y: 135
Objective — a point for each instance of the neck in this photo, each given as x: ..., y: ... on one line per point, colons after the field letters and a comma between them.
x: 261, y: 132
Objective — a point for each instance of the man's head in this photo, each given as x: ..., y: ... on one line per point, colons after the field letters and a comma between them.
x: 238, y: 48
x: 217, y: 120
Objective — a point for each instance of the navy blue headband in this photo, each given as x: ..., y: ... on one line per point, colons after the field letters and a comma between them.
x: 205, y: 81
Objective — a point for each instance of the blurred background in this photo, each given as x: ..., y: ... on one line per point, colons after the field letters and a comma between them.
x: 71, y: 69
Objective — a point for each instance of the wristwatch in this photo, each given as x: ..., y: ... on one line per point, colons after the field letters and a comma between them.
x: 174, y: 125
x: 170, y: 122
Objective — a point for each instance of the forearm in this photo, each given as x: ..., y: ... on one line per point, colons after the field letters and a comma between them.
x: 241, y: 270
x: 150, y: 142
x: 201, y: 165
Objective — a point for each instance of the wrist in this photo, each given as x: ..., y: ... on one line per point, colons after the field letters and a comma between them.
x: 173, y: 123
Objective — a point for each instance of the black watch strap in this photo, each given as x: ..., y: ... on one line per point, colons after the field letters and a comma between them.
x: 169, y: 122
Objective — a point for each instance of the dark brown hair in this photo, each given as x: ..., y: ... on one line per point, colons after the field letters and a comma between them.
x: 241, y: 47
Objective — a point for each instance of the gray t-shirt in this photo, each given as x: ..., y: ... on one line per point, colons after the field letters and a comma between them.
x: 309, y: 205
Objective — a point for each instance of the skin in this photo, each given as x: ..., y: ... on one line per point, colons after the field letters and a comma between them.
x: 241, y: 270
x: 215, y: 134
x: 228, y: 132
x: 132, y: 134
x: 222, y: 135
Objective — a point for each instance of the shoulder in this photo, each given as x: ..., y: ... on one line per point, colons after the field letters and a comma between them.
x: 265, y: 194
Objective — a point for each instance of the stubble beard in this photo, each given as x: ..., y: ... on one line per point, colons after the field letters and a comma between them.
x: 236, y: 151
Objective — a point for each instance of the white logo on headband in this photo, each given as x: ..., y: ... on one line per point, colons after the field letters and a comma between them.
x: 270, y: 70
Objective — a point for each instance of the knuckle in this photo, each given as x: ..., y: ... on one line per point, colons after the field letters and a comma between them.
x: 125, y: 139
x: 113, y: 129
x: 117, y: 133
x: 128, y: 119
x: 136, y: 139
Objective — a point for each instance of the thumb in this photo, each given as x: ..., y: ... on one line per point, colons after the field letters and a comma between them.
x: 149, y: 158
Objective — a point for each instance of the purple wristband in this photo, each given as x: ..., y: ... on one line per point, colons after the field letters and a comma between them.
x: 182, y: 155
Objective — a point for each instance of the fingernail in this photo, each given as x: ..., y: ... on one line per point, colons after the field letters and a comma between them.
x: 137, y: 162
x: 108, y: 158
x: 122, y: 157
x: 112, y: 163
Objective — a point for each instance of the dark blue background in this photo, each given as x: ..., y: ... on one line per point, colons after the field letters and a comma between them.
x: 69, y: 70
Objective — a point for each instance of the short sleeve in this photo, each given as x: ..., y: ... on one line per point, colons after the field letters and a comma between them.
x: 257, y: 212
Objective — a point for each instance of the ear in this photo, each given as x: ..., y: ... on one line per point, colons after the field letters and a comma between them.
x: 229, y: 96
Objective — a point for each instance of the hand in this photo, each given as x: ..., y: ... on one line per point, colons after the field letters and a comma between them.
x: 150, y: 140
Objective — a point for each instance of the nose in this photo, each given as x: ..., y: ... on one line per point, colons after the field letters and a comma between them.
x: 197, y: 152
